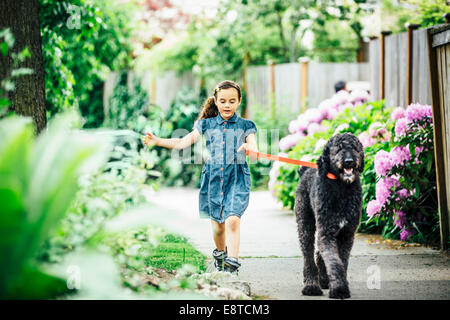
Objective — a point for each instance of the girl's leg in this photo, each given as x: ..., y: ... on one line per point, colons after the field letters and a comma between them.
x: 218, y: 234
x: 232, y: 234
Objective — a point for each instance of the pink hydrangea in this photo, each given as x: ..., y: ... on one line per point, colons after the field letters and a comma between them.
x: 290, y: 141
x: 341, y: 97
x: 416, y: 112
x: 406, y: 233
x: 314, y: 127
x: 399, y: 218
x: 403, y: 193
x: 400, y: 127
x: 373, y: 207
x: 399, y: 155
x: 327, y: 108
x: 358, y: 96
x: 383, y: 189
x: 313, y: 115
x: 398, y: 113
x: 366, y: 140
x: 382, y: 162
x: 377, y: 129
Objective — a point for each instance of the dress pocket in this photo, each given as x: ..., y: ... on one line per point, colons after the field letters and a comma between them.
x: 247, y: 179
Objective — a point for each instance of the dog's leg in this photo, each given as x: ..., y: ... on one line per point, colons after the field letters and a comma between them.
x: 306, y: 231
x: 345, y: 244
x: 323, y: 277
x: 328, y: 248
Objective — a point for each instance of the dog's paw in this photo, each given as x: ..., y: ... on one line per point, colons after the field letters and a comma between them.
x: 342, y: 292
x: 311, y: 290
x: 324, y: 283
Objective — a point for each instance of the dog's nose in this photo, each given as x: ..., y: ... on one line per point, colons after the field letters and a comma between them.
x: 348, y: 162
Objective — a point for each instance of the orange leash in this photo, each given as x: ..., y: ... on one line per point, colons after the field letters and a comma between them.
x: 287, y: 160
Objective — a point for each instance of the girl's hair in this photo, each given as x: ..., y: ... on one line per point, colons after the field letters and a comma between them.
x: 210, y: 109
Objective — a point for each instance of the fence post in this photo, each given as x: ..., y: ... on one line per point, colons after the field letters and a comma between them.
x: 153, y: 89
x: 244, y: 87
x: 409, y: 63
x: 304, y: 82
x: 382, y: 62
x: 272, y: 88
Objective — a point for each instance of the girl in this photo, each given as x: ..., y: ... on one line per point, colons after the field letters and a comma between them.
x: 225, y: 180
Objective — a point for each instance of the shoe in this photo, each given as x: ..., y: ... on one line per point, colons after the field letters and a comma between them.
x: 231, y: 265
x: 219, y: 258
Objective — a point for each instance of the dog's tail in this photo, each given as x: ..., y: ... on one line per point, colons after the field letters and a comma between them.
x: 301, y: 170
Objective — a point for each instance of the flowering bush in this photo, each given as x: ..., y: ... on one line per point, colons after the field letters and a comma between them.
x: 399, y: 193
x: 310, y: 122
x: 406, y: 198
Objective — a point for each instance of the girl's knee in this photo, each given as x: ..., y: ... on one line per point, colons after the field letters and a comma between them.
x: 233, y: 223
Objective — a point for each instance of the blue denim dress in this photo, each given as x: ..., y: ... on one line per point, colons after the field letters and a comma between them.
x: 225, y: 180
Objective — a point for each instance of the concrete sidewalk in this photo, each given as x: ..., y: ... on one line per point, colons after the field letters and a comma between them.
x: 272, y: 263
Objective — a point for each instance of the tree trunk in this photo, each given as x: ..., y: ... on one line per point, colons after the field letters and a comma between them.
x: 28, y: 98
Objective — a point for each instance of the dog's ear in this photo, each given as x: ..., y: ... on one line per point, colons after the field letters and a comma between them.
x: 362, y: 162
x: 323, y: 163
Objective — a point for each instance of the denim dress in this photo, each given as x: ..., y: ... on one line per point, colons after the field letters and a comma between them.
x: 225, y: 180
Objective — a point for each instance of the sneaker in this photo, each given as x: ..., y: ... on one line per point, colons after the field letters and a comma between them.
x: 231, y: 265
x: 219, y: 258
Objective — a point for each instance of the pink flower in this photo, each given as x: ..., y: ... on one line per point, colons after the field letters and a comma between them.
x: 341, y: 97
x: 366, y: 140
x: 313, y: 115
x: 406, y: 233
x: 314, y: 127
x: 399, y: 218
x: 398, y: 113
x: 376, y: 129
x: 290, y: 141
x: 416, y: 112
x: 373, y: 207
x: 382, y: 162
x: 399, y: 155
x: 400, y: 127
x: 326, y: 108
x: 383, y: 189
x: 403, y: 193
x: 358, y: 96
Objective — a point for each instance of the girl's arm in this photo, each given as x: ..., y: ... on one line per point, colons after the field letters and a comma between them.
x: 173, y: 143
x: 250, y: 144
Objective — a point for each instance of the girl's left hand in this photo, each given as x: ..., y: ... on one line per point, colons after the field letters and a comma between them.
x: 246, y: 146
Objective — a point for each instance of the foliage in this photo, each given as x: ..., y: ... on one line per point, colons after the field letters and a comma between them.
x: 39, y: 180
x: 425, y: 13
x: 147, y: 251
x: 82, y: 40
x: 256, y: 32
x: 129, y: 107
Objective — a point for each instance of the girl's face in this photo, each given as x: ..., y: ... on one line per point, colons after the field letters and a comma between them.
x: 227, y: 101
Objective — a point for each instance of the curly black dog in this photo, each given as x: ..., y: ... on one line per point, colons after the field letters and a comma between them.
x: 328, y: 213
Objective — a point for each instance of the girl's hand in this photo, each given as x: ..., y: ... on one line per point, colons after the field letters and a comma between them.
x: 246, y: 146
x: 149, y: 139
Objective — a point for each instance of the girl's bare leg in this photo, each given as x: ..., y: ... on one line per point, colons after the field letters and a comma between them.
x: 218, y: 235
x: 232, y: 234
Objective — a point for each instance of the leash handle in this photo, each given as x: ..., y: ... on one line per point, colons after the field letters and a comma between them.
x: 258, y: 154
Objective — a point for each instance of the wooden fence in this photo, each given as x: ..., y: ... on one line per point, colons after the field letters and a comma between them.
x: 438, y: 43
x: 399, y: 68
x: 291, y: 85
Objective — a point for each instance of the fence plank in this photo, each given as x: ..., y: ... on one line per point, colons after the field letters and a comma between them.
x: 374, y: 58
x: 287, y: 86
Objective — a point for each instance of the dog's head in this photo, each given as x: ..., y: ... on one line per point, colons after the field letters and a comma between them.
x: 343, y: 155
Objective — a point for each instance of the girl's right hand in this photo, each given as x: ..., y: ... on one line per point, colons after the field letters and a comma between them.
x: 149, y: 139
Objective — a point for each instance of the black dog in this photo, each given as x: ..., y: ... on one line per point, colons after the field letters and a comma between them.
x: 328, y: 213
